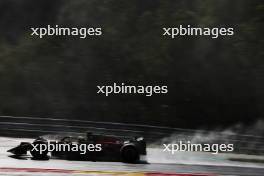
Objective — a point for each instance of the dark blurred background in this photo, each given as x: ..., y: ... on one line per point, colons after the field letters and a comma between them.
x: 211, y: 82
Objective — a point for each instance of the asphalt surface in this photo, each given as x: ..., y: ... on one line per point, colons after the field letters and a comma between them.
x: 160, y: 163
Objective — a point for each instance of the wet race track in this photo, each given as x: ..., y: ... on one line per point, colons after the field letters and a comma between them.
x: 183, y: 164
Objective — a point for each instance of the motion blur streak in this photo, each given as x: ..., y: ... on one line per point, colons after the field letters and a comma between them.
x: 247, y: 139
x: 159, y: 162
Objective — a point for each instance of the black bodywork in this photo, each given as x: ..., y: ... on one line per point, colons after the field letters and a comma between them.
x: 112, y: 148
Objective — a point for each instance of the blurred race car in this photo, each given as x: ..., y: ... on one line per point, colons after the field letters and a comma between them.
x: 90, y: 147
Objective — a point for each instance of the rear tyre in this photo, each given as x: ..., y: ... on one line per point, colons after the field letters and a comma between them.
x: 129, y: 154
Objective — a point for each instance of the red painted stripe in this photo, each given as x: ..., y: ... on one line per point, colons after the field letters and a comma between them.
x: 65, y: 171
x: 7, y: 169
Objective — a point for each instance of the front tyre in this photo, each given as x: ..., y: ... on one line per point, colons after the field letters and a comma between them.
x: 129, y: 154
x: 41, y: 151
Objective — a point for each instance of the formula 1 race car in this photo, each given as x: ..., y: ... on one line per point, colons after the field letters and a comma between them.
x: 91, y: 147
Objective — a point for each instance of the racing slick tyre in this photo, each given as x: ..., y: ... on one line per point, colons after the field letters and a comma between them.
x: 129, y: 154
x: 36, y: 154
